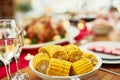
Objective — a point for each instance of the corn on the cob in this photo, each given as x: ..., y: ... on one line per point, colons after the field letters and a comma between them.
x: 91, y: 57
x: 74, y: 52
x: 82, y: 66
x: 41, y: 62
x: 46, y: 49
x: 58, y: 67
x: 55, y: 51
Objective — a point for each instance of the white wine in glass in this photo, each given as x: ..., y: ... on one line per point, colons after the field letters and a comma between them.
x: 19, y: 74
x: 8, y: 42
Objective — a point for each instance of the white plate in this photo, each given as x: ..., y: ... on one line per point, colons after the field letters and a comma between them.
x: 81, y: 76
x: 112, y: 61
x: 72, y: 32
x: 102, y: 43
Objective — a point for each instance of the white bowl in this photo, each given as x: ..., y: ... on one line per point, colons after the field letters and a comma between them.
x: 76, y: 77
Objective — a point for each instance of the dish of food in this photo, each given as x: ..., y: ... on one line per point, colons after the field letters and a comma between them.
x: 43, y: 31
x: 53, y: 66
x: 109, y: 44
x: 101, y: 27
x: 111, y: 61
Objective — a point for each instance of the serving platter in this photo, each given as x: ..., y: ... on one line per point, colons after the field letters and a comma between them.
x: 71, y: 32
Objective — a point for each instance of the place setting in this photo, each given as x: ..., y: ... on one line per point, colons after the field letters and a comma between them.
x: 59, y: 40
x: 109, y: 51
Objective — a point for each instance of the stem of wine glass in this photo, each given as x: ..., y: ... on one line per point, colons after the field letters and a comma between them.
x: 19, y: 75
x: 17, y: 64
x: 16, y: 57
x: 8, y: 71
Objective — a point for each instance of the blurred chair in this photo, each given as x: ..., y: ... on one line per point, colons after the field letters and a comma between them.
x: 7, y: 8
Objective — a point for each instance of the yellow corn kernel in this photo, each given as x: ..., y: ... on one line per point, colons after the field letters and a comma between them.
x: 55, y: 51
x: 74, y: 52
x: 91, y: 57
x: 58, y: 67
x: 41, y: 62
x: 82, y: 66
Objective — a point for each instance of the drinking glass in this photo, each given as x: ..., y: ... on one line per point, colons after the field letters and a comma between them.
x: 19, y: 74
x: 8, y: 42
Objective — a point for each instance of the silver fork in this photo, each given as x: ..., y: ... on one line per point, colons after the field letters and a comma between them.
x: 110, y: 71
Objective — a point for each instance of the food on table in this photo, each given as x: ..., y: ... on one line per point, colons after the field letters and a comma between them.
x: 105, y: 50
x: 41, y: 62
x: 28, y: 57
x: 74, y: 53
x: 55, y: 51
x: 56, y: 37
x: 58, y: 67
x: 101, y: 27
x: 91, y: 58
x: 82, y: 66
x: 43, y: 29
x: 115, y: 32
x: 54, y: 60
x: 27, y: 41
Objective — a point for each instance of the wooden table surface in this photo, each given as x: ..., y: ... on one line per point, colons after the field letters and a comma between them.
x: 99, y: 75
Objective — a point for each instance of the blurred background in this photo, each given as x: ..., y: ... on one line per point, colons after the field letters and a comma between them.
x: 12, y: 8
x: 104, y: 14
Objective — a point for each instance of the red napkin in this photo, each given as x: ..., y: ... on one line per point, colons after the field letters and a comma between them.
x: 22, y: 61
x: 106, y: 50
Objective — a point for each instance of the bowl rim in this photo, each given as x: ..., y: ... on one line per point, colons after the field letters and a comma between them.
x: 74, y: 76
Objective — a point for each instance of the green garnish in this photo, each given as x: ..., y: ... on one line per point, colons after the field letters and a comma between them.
x: 63, y: 35
x: 34, y: 41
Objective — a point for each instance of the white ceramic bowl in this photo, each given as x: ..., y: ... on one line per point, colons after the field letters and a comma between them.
x: 77, y: 77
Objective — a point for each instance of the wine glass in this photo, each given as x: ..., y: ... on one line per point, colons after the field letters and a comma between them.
x: 8, y: 43
x: 19, y: 74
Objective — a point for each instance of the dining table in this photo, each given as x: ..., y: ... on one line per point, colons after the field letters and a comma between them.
x: 101, y: 74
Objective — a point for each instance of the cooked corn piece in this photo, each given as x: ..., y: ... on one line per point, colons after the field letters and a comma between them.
x: 82, y: 66
x: 41, y: 62
x: 46, y: 49
x: 55, y: 51
x: 58, y: 67
x: 74, y: 52
x: 91, y: 57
